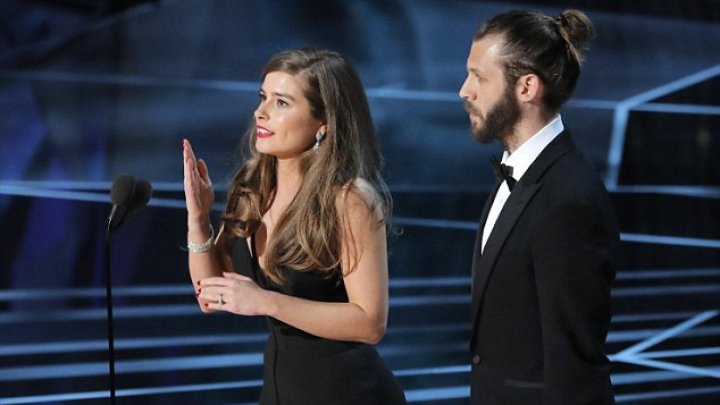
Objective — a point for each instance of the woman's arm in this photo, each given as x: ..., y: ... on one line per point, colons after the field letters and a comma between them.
x: 364, y: 258
x: 199, y: 198
x: 364, y: 262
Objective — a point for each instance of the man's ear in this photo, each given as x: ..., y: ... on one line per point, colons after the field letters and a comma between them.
x: 529, y: 88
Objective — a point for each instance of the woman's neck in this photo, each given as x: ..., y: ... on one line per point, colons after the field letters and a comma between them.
x: 289, y: 179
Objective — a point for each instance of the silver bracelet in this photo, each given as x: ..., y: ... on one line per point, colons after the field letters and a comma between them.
x: 202, y: 247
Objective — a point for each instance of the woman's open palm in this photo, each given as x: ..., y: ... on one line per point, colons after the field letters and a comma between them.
x: 199, y: 195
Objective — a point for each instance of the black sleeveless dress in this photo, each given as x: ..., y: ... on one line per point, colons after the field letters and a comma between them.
x: 303, y: 369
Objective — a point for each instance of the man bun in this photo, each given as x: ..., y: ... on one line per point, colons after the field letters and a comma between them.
x: 577, y: 30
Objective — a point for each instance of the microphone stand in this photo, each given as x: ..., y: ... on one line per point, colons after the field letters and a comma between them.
x: 126, y: 195
x: 109, y: 305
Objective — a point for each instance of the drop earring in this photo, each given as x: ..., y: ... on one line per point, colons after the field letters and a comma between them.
x: 318, y: 137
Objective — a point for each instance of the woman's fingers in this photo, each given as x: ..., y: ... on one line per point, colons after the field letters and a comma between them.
x: 188, y: 155
x: 202, y: 170
x: 235, y: 276
x: 195, y: 170
x: 189, y: 165
x: 187, y: 147
x: 215, y: 292
x: 240, y: 294
x: 227, y: 280
x: 214, y: 282
x: 198, y: 187
x: 187, y: 160
x: 210, y: 289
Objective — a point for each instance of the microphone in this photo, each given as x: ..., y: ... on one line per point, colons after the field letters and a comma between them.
x: 143, y: 192
x: 127, y: 196
x: 121, y: 193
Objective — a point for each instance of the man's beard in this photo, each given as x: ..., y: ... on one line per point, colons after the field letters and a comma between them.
x: 499, y: 122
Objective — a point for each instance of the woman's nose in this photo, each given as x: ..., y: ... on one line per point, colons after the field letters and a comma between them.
x: 260, y: 112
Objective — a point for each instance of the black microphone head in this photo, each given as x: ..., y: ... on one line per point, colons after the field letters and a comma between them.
x: 123, y: 190
x: 143, y: 191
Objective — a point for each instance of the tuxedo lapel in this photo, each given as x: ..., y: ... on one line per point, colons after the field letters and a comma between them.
x: 522, y: 194
x: 488, y: 204
x: 484, y: 266
x: 478, y: 238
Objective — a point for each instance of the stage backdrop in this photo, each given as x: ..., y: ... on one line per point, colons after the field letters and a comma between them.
x: 90, y: 89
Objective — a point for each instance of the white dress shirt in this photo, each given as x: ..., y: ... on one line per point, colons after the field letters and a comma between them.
x: 520, y: 161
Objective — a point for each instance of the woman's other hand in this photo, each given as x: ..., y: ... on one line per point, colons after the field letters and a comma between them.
x: 240, y: 295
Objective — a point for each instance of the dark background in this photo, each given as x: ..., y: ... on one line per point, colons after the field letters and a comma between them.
x: 90, y: 89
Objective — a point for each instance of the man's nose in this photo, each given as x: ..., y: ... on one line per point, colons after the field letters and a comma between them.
x: 464, y: 92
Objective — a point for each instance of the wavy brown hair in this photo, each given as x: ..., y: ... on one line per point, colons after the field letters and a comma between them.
x: 551, y: 48
x: 308, y: 236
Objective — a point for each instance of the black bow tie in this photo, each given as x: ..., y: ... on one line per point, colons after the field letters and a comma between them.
x: 503, y: 172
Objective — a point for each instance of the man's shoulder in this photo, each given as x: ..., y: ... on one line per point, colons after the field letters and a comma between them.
x: 572, y: 179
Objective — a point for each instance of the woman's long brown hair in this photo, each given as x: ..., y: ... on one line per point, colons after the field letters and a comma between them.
x: 308, y: 236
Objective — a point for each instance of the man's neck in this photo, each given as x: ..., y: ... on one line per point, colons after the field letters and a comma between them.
x: 525, y: 129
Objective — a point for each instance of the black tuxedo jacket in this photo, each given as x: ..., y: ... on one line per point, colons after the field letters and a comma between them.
x: 541, y: 289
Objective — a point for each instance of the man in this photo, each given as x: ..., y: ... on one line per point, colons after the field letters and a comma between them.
x: 544, y: 257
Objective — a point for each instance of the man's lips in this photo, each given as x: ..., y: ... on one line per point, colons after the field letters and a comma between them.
x: 263, y: 132
x: 470, y: 110
x: 473, y: 115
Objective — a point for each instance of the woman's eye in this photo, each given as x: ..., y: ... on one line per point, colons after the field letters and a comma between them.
x: 261, y: 96
x: 282, y: 103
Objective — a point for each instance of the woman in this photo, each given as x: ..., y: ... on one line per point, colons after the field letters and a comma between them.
x: 303, y: 235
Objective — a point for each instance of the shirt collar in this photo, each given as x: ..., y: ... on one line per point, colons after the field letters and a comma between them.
x: 526, y: 154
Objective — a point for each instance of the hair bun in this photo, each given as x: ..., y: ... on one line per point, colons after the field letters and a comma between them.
x: 577, y: 29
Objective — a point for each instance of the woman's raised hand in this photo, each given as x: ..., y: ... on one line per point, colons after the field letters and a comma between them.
x: 199, y: 195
